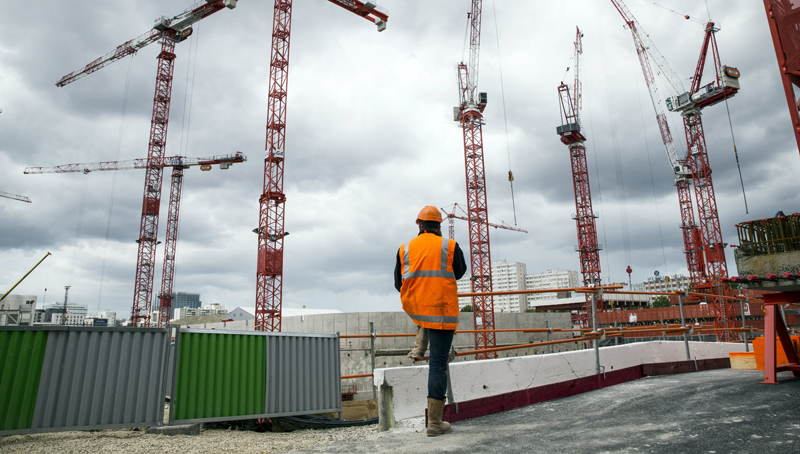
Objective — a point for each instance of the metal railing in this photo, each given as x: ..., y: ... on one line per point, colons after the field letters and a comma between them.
x: 769, y: 236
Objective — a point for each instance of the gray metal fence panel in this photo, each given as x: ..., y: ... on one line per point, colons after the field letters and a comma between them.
x: 102, y: 378
x: 303, y: 374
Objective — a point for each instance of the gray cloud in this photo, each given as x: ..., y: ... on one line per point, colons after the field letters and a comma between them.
x: 370, y: 140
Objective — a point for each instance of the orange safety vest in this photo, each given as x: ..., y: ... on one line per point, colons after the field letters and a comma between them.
x: 429, y: 292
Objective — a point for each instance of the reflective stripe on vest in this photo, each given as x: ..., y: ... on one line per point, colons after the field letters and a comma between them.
x: 429, y: 273
x: 433, y: 318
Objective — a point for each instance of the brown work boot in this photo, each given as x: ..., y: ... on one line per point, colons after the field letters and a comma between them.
x: 420, y: 344
x: 435, y: 424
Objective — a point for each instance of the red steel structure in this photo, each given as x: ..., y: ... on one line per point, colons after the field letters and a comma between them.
x: 178, y: 164
x: 451, y: 216
x: 571, y: 136
x: 724, y: 86
x: 784, y: 25
x: 169, y: 32
x: 705, y: 251
x: 469, y: 114
x: 269, y: 268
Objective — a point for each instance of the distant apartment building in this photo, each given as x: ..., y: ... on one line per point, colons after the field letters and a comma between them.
x: 212, y: 309
x: 18, y: 310
x: 507, y: 277
x: 513, y: 276
x: 209, y: 309
x: 75, y: 308
x: 72, y: 319
x: 666, y: 284
x: 551, y: 279
x: 111, y: 316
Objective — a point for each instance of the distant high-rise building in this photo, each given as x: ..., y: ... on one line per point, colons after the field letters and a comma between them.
x: 182, y: 299
x: 505, y: 277
x: 513, y: 276
x: 212, y: 309
x: 72, y: 319
x: 74, y: 308
x: 550, y: 279
x: 111, y: 316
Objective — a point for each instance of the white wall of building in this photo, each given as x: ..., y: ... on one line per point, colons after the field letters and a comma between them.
x: 111, y: 316
x: 17, y: 310
x: 550, y: 279
x: 72, y: 319
x: 513, y: 276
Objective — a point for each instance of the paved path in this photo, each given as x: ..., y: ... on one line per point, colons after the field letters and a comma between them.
x: 717, y: 411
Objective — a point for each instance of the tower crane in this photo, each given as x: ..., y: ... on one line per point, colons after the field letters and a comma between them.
x: 783, y: 26
x: 178, y: 164
x: 705, y: 250
x: 469, y: 115
x: 451, y: 216
x: 270, y: 230
x: 571, y: 136
x: 17, y: 197
x: 169, y: 31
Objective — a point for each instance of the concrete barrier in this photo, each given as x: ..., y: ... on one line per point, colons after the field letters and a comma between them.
x: 403, y: 391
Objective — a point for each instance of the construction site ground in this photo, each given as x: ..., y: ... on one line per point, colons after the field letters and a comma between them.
x: 714, y: 411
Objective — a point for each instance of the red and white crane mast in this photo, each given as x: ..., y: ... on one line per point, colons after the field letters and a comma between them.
x: 707, y: 265
x: 572, y: 136
x: 178, y: 164
x: 690, y: 104
x: 469, y: 114
x: 170, y: 32
x: 269, y: 268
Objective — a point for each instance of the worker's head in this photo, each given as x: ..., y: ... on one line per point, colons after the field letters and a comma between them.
x: 430, y: 220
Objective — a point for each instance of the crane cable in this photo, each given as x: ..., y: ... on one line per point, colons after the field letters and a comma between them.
x: 114, y: 183
x: 650, y: 165
x: 505, y: 117
x: 736, y: 153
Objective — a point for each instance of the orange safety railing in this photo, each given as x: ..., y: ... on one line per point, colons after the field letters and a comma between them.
x: 586, y: 333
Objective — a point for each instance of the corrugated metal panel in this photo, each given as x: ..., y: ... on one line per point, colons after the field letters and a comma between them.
x: 219, y: 375
x: 102, y: 377
x: 224, y: 375
x: 21, y: 358
x: 303, y: 374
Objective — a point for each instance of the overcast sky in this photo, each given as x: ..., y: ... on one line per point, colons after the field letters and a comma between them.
x: 370, y: 141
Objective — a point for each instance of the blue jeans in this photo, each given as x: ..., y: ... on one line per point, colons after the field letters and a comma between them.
x: 440, y: 342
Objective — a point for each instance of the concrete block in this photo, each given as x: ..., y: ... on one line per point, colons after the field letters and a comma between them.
x: 476, y: 379
x: 183, y: 429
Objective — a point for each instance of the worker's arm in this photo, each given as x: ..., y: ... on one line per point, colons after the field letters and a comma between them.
x: 398, y: 273
x: 459, y: 265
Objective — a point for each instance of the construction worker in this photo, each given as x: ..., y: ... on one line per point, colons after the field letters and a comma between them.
x: 425, y: 274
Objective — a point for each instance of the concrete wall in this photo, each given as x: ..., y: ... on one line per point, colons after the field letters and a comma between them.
x: 403, y: 391
x: 355, y: 353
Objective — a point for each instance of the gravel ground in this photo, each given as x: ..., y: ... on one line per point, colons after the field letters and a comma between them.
x: 209, y: 441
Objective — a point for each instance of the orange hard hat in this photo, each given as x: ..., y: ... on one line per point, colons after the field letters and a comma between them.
x: 429, y: 213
